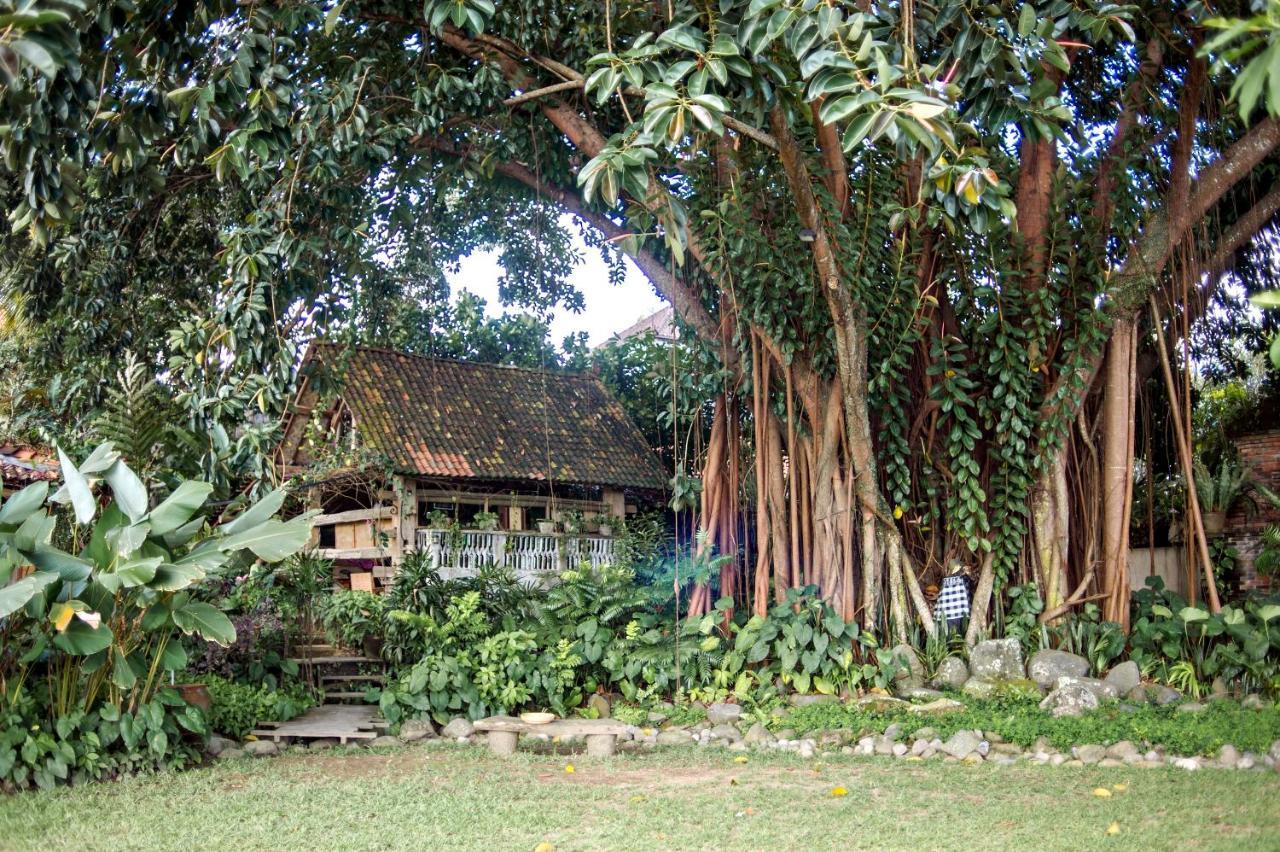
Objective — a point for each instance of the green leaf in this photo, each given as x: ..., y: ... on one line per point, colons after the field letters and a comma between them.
x: 37, y: 55
x: 1269, y: 299
x: 255, y: 514
x: 1026, y: 20
x: 272, y: 540
x: 206, y: 621
x: 175, y: 578
x: 1191, y: 613
x: 122, y: 674
x: 14, y: 596
x: 130, y: 493
x: 82, y: 640
x: 178, y: 507
x: 331, y: 19
x: 18, y: 507
x: 69, y: 568
x: 77, y: 488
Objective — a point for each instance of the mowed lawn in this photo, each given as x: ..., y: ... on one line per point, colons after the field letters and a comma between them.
x: 450, y: 797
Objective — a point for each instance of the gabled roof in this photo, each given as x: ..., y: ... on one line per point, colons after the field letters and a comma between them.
x: 446, y: 418
x: 21, y: 465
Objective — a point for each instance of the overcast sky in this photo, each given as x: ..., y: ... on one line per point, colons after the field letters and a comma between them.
x: 608, y: 309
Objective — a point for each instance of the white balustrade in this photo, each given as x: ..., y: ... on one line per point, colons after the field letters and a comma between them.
x: 531, y: 555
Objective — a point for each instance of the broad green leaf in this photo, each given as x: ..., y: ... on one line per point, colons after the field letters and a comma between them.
x: 1026, y: 20
x: 14, y: 596
x: 272, y: 540
x: 331, y: 18
x: 175, y: 578
x: 82, y: 640
x: 130, y: 493
x: 255, y: 514
x: 68, y: 567
x: 206, y: 621
x: 177, y: 509
x: 77, y: 489
x: 1266, y: 299
x: 1191, y: 613
x: 1268, y: 612
x: 18, y: 507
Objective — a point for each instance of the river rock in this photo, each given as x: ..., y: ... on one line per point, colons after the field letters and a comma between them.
x: 726, y: 732
x: 1124, y: 677
x: 978, y: 687
x: 1191, y: 707
x: 1088, y: 754
x: 674, y: 736
x: 758, y: 734
x: 458, y: 727
x: 1254, y: 702
x: 997, y: 659
x: 798, y: 699
x: 911, y: 673
x: 920, y: 693
x: 952, y: 673
x: 417, y: 729
x: 1070, y: 700
x: 230, y: 753
x: 1228, y: 756
x: 941, y: 705
x: 217, y: 745
x: 1162, y: 695
x: 261, y: 748
x: 1123, y: 750
x: 1048, y: 665
x: 961, y: 744
x: 1102, y: 690
x: 879, y: 703
x: 722, y: 713
x: 386, y: 741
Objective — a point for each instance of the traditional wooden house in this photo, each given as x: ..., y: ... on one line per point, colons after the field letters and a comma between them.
x: 23, y: 464
x: 474, y: 463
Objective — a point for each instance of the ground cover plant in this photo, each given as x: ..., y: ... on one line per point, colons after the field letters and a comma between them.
x: 463, y: 798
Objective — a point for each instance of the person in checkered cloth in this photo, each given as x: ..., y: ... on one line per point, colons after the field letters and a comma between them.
x: 952, y: 605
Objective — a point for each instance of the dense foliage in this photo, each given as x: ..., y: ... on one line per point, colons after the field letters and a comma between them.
x: 96, y: 592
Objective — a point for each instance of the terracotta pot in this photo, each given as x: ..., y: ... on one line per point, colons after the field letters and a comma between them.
x: 1214, y: 523
x: 195, y: 694
x: 546, y: 526
x: 606, y: 530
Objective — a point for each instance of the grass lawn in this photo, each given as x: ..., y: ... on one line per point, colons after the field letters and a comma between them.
x: 447, y: 797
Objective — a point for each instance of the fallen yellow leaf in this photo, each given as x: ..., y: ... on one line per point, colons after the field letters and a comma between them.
x: 742, y: 758
x: 839, y: 791
x: 568, y: 767
x: 1113, y: 829
x: 1101, y: 792
x: 1119, y: 788
x: 544, y: 847
x: 635, y: 800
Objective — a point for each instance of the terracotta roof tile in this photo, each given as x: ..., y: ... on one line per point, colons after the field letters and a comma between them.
x: 439, y: 417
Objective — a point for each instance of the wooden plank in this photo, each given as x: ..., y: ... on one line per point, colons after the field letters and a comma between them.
x: 355, y: 515
x: 323, y: 661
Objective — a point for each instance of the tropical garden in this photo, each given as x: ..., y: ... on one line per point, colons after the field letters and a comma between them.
x: 969, y: 295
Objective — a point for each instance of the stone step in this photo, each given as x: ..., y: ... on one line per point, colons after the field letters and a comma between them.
x: 344, y: 694
x: 348, y: 678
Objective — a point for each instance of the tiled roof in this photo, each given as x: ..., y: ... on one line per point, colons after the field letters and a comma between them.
x: 662, y: 323
x: 439, y: 417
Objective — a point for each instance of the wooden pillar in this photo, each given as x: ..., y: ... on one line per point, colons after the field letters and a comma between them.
x: 617, y: 503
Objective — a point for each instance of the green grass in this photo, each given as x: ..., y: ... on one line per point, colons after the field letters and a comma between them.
x: 462, y: 798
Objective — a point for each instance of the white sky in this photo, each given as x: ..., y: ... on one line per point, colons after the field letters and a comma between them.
x: 608, y: 309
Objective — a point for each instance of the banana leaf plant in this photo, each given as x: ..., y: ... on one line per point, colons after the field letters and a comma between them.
x: 97, y: 622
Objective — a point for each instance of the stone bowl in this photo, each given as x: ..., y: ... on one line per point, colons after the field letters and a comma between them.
x: 537, y: 718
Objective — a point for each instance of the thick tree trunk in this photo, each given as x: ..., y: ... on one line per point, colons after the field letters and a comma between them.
x: 1119, y: 405
x: 1050, y: 520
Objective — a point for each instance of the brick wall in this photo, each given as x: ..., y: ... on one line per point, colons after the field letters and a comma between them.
x: 1260, y: 452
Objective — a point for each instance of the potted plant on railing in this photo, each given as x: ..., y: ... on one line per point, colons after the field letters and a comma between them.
x: 546, y: 525
x: 573, y: 522
x: 438, y: 519
x: 486, y: 521
x: 1219, y: 494
x: 606, y: 525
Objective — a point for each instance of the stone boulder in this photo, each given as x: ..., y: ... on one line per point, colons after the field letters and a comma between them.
x: 230, y: 753
x: 674, y: 736
x: 952, y: 674
x: 962, y: 744
x: 217, y: 745
x: 878, y: 703
x: 417, y: 729
x: 1162, y: 695
x: 911, y: 675
x: 1070, y: 700
x: 920, y: 693
x: 758, y: 734
x: 385, y: 741
x: 997, y: 659
x: 1089, y: 754
x: 977, y: 687
x: 1124, y: 677
x: 1100, y: 688
x: 1045, y: 667
x: 942, y: 705
x: 261, y: 748
x: 721, y: 713
x: 804, y: 699
x: 457, y: 728
x: 726, y: 732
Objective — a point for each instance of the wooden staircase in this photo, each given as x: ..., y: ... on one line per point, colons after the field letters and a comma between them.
x: 336, y: 672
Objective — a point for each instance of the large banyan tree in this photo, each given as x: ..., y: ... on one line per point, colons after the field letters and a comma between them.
x: 928, y: 247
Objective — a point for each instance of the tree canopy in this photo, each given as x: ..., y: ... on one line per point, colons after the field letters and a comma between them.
x: 925, y: 247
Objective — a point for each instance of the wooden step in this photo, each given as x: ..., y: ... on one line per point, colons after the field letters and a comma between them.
x: 341, y: 735
x: 344, y: 694
x: 317, y: 650
x: 348, y: 678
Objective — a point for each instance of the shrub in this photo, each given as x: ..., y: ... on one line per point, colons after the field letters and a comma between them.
x: 352, y: 616
x: 238, y: 708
